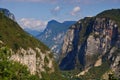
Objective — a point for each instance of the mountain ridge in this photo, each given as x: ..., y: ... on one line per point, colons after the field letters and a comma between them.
x: 53, y: 34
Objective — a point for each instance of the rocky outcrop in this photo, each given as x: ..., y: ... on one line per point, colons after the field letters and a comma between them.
x: 7, y: 13
x: 68, y: 46
x: 116, y: 65
x: 91, y: 42
x: 34, y: 59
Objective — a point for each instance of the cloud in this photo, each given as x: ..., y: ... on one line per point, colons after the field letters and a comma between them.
x: 33, y: 24
x: 75, y: 10
x: 56, y: 10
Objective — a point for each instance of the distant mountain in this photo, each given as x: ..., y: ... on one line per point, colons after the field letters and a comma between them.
x: 53, y: 35
x: 91, y: 48
x: 22, y: 57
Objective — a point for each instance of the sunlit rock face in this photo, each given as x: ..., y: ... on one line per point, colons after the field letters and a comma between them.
x: 34, y: 59
x: 90, y: 42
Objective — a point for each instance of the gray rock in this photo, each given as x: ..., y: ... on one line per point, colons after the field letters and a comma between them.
x: 90, y: 42
x: 7, y: 13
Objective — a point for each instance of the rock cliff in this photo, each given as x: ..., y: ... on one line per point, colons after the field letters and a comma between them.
x: 91, y: 42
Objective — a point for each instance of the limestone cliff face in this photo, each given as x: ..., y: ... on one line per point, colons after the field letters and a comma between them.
x: 90, y: 42
x: 34, y: 59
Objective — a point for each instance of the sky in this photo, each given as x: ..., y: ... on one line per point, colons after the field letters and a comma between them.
x: 35, y: 14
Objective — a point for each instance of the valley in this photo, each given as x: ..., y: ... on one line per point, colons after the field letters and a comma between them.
x: 87, y: 49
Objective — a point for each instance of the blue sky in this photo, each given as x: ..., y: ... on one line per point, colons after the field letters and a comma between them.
x: 34, y: 14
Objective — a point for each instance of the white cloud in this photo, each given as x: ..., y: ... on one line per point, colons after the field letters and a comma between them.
x: 33, y: 24
x: 56, y: 10
x: 75, y: 10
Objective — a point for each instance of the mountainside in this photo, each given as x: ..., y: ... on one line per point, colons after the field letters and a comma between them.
x: 22, y: 54
x: 92, y: 46
x: 53, y: 35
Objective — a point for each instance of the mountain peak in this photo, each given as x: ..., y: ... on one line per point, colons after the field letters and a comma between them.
x: 53, y: 35
x: 4, y: 9
x: 7, y: 13
x: 53, y: 21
